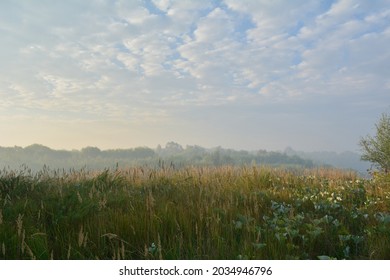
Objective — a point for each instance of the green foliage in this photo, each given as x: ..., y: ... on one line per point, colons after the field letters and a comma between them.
x: 193, y: 213
x: 92, y: 158
x: 377, y: 149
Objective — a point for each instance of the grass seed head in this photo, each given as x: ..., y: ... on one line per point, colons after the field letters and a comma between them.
x: 81, y: 237
x: 19, y: 224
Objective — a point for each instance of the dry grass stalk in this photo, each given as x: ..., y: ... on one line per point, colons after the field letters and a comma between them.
x: 79, y: 197
x: 69, y: 249
x: 29, y: 251
x: 23, y: 241
x: 38, y: 234
x: 92, y: 191
x: 81, y: 236
x: 19, y: 224
x: 85, y: 240
x: 114, y: 255
x: 25, y: 204
x: 110, y: 235
x: 123, y: 250
x: 119, y: 253
x: 150, y: 202
x: 102, y: 203
x: 7, y: 200
x: 159, y: 247
x: 146, y: 251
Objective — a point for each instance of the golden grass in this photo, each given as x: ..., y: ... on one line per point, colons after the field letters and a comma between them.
x: 253, y: 212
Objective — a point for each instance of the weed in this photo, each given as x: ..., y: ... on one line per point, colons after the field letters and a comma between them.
x: 193, y: 213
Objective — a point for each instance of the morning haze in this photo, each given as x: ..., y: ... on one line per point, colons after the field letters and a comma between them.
x: 194, y: 130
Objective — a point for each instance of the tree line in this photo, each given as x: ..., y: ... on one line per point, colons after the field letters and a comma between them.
x: 37, y: 156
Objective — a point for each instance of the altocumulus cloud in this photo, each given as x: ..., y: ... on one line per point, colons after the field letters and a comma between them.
x: 242, y: 74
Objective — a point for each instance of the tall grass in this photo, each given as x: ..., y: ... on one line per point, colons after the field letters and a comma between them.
x: 193, y: 213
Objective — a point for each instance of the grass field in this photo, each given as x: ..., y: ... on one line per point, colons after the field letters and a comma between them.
x: 194, y: 213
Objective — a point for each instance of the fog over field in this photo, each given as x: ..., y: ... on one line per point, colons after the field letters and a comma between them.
x: 251, y: 75
x: 37, y: 157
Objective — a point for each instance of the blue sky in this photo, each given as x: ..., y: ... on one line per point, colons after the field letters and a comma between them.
x: 313, y: 75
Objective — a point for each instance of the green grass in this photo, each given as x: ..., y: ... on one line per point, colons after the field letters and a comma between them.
x: 194, y: 213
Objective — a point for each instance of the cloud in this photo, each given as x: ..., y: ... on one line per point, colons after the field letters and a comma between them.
x: 177, y: 63
x: 348, y: 59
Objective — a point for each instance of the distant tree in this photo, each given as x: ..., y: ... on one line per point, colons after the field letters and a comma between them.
x: 173, y: 148
x: 37, y: 148
x: 377, y: 149
x: 91, y: 151
x: 143, y: 152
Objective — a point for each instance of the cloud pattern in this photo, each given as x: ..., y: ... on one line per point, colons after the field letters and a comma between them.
x: 199, y: 63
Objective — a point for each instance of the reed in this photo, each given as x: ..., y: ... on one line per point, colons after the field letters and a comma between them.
x: 248, y: 212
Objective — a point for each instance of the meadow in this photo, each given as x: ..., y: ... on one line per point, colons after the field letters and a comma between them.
x: 247, y: 212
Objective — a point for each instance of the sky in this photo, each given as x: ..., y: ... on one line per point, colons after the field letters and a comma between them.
x: 311, y: 75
